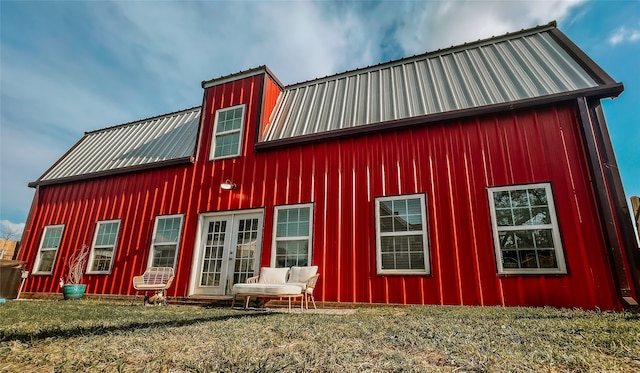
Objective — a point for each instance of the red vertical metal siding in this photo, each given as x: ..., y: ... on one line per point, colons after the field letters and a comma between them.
x: 451, y: 163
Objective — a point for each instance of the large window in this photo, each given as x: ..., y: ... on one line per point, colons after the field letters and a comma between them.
x: 49, y: 245
x: 104, y: 246
x: 227, y: 132
x: 292, y: 238
x: 165, y: 241
x: 525, y: 230
x: 401, y: 239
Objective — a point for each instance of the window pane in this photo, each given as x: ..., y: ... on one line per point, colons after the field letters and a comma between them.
x: 510, y: 259
x: 46, y: 261
x: 292, y: 253
x: 52, y: 238
x: 540, y: 216
x: 507, y: 240
x: 538, y: 197
x: 504, y: 218
x: 168, y: 229
x: 386, y: 224
x: 107, y: 234
x: 163, y: 255
x: 414, y: 207
x: 519, y: 198
x: 102, y: 259
x: 387, y: 244
x: 400, y: 207
x: 293, y: 222
x: 386, y: 208
x: 524, y: 239
x: 521, y: 216
x: 501, y: 199
x: 417, y: 260
x: 547, y: 259
x: 388, y: 261
x: 528, y: 259
x: 543, y: 238
x: 227, y: 144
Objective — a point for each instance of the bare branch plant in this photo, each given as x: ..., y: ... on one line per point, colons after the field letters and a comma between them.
x: 77, y: 263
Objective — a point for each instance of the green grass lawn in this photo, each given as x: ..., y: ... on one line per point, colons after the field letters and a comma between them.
x: 87, y: 335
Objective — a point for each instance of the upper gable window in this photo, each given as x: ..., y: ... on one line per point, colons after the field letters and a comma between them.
x: 525, y: 230
x: 227, y: 132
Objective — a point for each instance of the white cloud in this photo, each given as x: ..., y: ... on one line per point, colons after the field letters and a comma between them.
x: 622, y: 35
x: 10, y: 230
x: 70, y: 67
x: 435, y: 25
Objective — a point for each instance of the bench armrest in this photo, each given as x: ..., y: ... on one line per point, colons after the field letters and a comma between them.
x: 311, y: 282
x: 138, y: 280
x: 252, y: 280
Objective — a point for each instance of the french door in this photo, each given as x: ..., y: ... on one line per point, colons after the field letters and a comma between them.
x: 229, y: 251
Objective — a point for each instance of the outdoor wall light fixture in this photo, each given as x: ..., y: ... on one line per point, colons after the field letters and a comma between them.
x: 228, y: 185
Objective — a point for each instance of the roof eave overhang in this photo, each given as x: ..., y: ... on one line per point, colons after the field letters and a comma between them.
x: 167, y: 163
x: 602, y: 91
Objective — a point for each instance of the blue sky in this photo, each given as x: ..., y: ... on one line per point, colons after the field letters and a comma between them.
x: 71, y: 67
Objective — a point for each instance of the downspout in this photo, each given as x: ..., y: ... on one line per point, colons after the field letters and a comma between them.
x: 614, y: 212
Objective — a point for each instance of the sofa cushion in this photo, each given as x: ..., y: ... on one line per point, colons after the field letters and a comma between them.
x: 302, y: 285
x: 302, y: 274
x: 266, y: 289
x: 270, y: 275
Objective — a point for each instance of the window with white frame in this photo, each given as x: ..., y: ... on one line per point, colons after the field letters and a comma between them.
x: 401, y: 235
x: 49, y: 245
x: 525, y: 230
x: 165, y: 241
x: 292, y: 238
x: 227, y: 132
x: 104, y: 246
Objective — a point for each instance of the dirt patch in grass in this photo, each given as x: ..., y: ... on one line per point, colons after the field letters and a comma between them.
x: 99, y: 336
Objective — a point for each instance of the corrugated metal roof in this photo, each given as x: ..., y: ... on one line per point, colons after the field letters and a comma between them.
x: 159, y: 139
x: 494, y: 71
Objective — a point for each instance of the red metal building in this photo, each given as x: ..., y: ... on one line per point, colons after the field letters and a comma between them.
x: 481, y: 174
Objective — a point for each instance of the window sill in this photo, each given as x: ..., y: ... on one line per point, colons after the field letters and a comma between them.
x: 532, y: 273
x: 226, y: 157
x: 403, y: 273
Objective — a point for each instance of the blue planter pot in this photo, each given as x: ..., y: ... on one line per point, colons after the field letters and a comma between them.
x: 73, y: 291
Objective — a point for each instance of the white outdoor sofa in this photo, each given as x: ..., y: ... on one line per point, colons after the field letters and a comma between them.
x: 294, y: 282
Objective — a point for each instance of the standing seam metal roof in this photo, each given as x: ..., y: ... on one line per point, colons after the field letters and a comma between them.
x: 527, y: 64
x: 498, y: 70
x: 145, y: 142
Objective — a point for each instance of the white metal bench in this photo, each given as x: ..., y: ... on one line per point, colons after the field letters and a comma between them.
x: 156, y: 279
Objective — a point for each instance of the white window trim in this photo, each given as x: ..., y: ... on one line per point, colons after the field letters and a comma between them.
x: 212, y: 152
x: 155, y: 232
x: 93, y: 248
x: 44, y: 234
x: 425, y: 238
x: 555, y: 232
x: 296, y: 238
